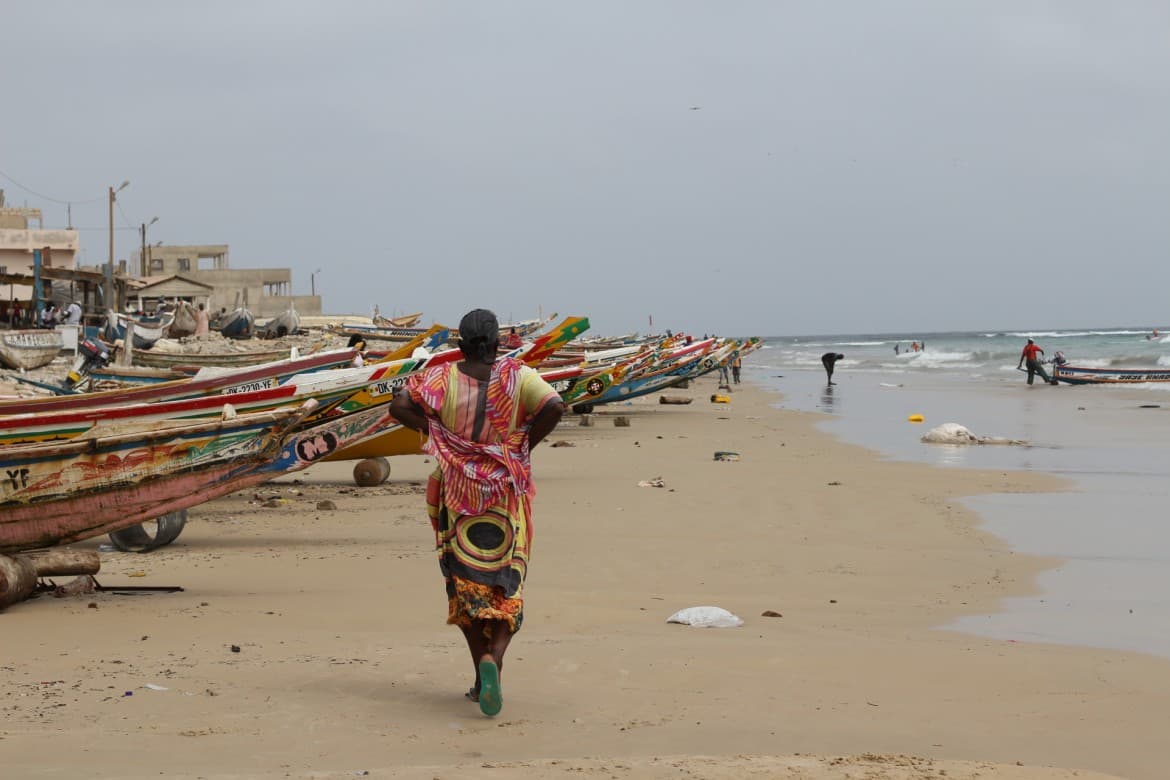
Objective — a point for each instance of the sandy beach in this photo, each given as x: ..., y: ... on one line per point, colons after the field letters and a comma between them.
x: 310, y: 643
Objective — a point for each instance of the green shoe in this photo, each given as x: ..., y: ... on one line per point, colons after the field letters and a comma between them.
x: 491, y: 699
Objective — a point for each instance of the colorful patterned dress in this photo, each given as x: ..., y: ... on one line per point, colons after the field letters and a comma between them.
x: 479, y: 499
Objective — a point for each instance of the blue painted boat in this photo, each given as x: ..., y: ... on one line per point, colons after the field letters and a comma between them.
x: 237, y: 324
x: 146, y: 330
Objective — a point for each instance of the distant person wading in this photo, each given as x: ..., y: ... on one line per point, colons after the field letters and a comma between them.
x: 829, y: 360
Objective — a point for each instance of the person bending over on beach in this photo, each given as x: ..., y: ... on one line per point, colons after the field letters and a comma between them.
x: 829, y: 359
x: 1030, y: 355
x: 482, y: 416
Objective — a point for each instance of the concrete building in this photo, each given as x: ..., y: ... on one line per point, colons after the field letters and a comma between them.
x: 21, y: 233
x: 18, y: 239
x: 265, y: 291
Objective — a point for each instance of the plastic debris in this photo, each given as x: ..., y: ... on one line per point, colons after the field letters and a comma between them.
x: 656, y: 482
x: 706, y: 617
x: 721, y: 455
x: 154, y: 687
x: 953, y: 433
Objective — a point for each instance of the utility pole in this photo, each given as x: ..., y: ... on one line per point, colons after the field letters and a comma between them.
x: 109, y: 291
x: 110, y: 264
x: 144, y: 260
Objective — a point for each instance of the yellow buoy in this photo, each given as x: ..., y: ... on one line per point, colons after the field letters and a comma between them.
x: 915, y: 418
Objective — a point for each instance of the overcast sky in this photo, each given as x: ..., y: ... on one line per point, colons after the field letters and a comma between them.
x: 771, y: 168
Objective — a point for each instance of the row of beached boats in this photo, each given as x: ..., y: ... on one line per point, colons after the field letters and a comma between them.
x: 85, y: 464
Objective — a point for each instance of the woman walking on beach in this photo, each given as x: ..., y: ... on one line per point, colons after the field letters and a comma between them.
x: 482, y: 416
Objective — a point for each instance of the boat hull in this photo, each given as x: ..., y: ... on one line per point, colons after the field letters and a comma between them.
x: 1080, y: 375
x: 29, y: 349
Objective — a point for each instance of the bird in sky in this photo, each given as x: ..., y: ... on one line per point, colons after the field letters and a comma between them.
x: 695, y: 108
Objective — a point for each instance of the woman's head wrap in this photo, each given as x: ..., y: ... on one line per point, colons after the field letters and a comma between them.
x: 479, y: 335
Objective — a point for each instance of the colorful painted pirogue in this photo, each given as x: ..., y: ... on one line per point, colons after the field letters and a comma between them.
x: 68, y: 491
x: 1081, y: 375
x: 65, y: 491
x: 654, y: 368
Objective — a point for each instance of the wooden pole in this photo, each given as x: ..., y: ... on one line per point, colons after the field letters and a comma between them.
x: 110, y: 263
x: 59, y: 561
x: 18, y: 579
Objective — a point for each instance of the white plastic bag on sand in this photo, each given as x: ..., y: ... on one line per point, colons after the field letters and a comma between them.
x: 706, y: 617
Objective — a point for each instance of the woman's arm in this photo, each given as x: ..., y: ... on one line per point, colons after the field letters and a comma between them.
x: 544, y: 421
x: 407, y: 412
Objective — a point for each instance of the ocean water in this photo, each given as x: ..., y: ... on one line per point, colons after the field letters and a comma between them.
x: 1112, y: 586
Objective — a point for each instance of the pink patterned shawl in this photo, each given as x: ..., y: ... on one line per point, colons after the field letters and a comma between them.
x: 477, y: 475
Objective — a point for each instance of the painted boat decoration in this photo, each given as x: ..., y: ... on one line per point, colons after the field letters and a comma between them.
x: 146, y: 330
x: 236, y: 324
x: 281, y: 325
x: 28, y: 349
x: 1082, y: 375
x: 66, y: 491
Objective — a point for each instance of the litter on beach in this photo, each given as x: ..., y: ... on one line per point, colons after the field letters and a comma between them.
x: 706, y: 617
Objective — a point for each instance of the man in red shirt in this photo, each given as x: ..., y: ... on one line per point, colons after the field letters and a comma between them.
x: 1031, y: 355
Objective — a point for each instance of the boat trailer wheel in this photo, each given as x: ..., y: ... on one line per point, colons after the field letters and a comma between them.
x: 371, y: 472
x: 137, y: 539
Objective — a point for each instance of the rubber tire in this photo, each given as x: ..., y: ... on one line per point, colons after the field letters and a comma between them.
x: 137, y: 539
x: 371, y: 472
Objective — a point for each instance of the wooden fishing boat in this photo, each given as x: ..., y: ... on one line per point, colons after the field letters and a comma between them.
x: 67, y: 491
x: 336, y: 391
x: 146, y: 330
x: 206, y: 381
x: 28, y: 349
x: 405, y: 321
x: 184, y: 322
x: 116, y: 478
x: 236, y: 324
x: 281, y: 325
x: 113, y: 377
x: 158, y: 358
x: 375, y: 333
x: 1081, y: 375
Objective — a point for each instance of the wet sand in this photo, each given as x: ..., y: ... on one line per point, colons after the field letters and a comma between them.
x: 310, y: 642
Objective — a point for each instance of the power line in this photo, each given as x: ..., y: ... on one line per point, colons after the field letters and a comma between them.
x: 124, y: 217
x: 46, y: 197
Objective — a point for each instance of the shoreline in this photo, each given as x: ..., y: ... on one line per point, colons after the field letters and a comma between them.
x: 345, y: 664
x: 1097, y: 441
